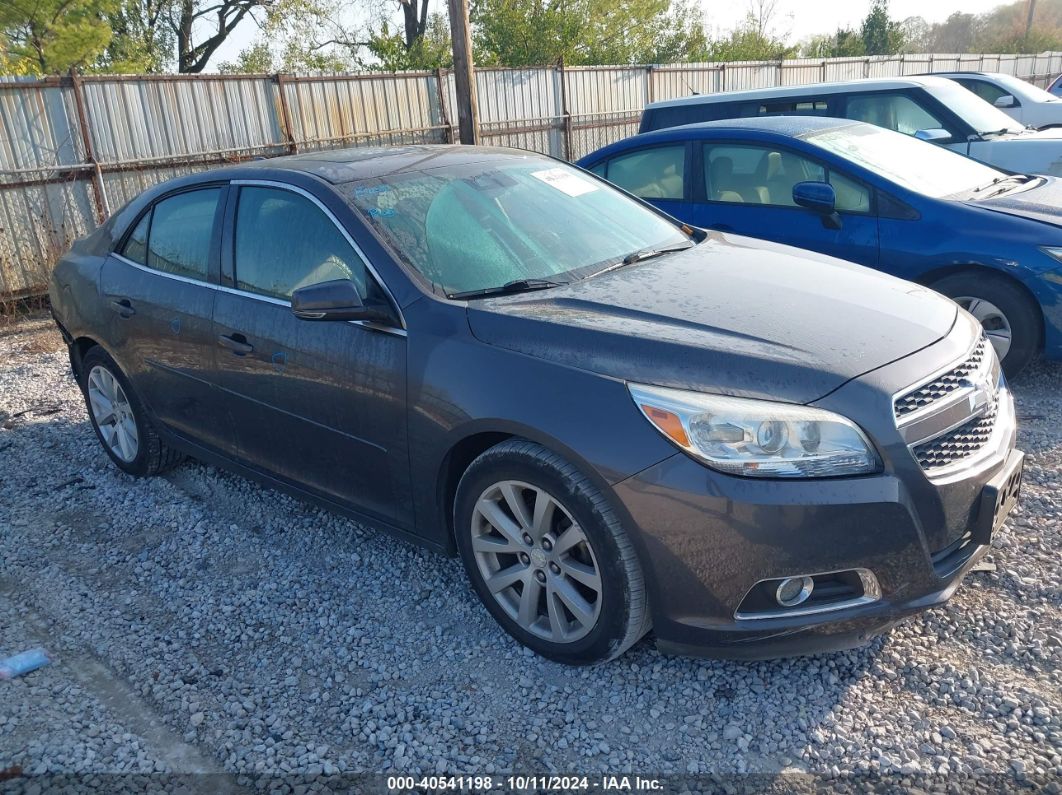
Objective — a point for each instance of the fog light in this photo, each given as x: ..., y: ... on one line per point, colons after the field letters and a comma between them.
x: 793, y: 591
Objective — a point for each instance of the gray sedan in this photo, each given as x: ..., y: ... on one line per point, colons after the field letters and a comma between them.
x: 619, y: 422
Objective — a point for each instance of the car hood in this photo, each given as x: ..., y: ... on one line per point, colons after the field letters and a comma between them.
x: 1042, y: 203
x: 1029, y: 152
x: 731, y: 316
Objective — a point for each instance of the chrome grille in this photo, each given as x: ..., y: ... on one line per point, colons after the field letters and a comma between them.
x: 940, y: 387
x: 959, y: 443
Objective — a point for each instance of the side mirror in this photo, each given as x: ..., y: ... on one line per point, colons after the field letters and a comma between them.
x: 817, y: 196
x: 932, y: 135
x: 1006, y: 101
x: 337, y: 300
x: 821, y: 198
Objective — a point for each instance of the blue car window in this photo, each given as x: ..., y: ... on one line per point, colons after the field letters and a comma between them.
x: 656, y: 173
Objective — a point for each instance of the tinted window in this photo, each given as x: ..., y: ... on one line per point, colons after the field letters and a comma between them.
x: 135, y: 247
x: 742, y: 174
x: 801, y: 107
x: 284, y: 241
x: 892, y: 111
x: 986, y: 91
x: 656, y: 173
x: 182, y: 227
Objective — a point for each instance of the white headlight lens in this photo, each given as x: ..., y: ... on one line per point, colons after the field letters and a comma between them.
x: 758, y: 438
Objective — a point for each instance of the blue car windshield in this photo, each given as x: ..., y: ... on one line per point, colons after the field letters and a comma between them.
x: 483, y: 225
x: 910, y: 163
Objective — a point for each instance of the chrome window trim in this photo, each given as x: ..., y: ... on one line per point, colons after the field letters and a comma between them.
x: 267, y: 183
x: 175, y: 276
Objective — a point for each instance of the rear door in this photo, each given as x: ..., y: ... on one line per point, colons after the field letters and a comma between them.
x: 658, y: 174
x: 319, y: 404
x: 748, y: 189
x: 159, y: 288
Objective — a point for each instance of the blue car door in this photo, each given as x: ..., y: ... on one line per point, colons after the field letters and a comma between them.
x: 747, y: 188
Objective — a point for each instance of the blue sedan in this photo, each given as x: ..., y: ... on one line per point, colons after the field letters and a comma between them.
x: 990, y: 240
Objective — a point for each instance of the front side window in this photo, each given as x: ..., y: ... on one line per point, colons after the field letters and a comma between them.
x: 284, y: 241
x: 986, y: 91
x: 892, y: 111
x: 656, y: 173
x: 181, y: 231
x: 746, y: 174
x: 474, y: 226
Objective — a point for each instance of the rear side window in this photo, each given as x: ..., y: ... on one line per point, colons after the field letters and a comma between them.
x: 135, y: 247
x: 656, y: 173
x: 893, y: 112
x: 180, y: 233
x: 985, y: 90
x: 284, y: 241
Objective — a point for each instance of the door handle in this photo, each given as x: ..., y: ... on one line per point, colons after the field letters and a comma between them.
x: 123, y: 306
x: 237, y: 343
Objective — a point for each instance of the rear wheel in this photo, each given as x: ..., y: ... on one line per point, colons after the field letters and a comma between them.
x: 119, y: 419
x: 547, y: 556
x: 1010, y: 319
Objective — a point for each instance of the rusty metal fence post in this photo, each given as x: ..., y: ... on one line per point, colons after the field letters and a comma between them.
x: 99, y: 190
x: 444, y: 116
x: 285, y: 112
x: 566, y: 115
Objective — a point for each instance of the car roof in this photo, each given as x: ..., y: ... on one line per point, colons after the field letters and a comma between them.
x: 338, y: 166
x: 866, y: 84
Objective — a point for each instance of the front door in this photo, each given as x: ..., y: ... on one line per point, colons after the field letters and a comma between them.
x: 658, y: 174
x: 748, y: 190
x: 320, y: 404
x: 159, y: 294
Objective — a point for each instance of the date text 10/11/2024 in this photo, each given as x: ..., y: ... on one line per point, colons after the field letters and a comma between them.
x: 624, y: 783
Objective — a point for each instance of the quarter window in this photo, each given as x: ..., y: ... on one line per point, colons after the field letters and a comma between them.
x: 284, y: 241
x: 741, y: 174
x: 181, y: 230
x: 657, y: 173
x: 985, y: 90
x: 892, y: 111
x: 135, y: 247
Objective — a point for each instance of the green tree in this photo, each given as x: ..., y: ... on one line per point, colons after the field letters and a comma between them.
x: 142, y: 38
x: 750, y: 41
x: 844, y: 43
x: 881, y: 34
x: 390, y: 52
x: 537, y: 32
x: 54, y: 36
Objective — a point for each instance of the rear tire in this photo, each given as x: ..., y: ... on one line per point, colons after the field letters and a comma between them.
x: 120, y: 420
x: 1009, y: 317
x: 575, y: 592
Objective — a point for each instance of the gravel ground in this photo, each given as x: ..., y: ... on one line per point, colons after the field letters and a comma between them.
x: 202, y: 624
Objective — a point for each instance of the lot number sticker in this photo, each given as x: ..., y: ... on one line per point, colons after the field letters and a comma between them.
x: 565, y: 181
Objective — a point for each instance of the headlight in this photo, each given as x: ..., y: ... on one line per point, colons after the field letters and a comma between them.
x: 1054, y: 252
x: 757, y: 438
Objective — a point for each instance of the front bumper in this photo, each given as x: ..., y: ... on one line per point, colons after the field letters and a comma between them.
x: 707, y: 539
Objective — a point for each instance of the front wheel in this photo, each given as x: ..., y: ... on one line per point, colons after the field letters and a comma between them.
x: 547, y: 556
x: 1010, y: 319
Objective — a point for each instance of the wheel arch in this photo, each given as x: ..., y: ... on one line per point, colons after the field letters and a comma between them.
x: 931, y: 277
x: 79, y: 347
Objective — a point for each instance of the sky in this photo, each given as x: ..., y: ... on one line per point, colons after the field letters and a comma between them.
x: 797, y: 18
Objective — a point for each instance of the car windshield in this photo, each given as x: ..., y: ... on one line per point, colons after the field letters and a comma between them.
x: 916, y: 165
x: 973, y: 110
x: 498, y: 221
x: 1023, y: 89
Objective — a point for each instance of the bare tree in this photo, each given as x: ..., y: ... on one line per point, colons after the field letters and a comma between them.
x: 761, y: 13
x: 220, y: 17
x: 415, y: 19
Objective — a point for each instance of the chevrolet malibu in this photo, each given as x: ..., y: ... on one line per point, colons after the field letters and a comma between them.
x: 617, y: 421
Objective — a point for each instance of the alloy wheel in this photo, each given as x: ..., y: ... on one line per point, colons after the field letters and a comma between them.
x: 112, y: 413
x: 991, y: 317
x: 536, y: 561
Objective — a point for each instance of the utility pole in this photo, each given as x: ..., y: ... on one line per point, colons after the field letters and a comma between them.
x: 1029, y: 18
x: 464, y: 76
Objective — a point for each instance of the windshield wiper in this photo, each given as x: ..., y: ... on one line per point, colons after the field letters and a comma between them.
x: 1021, y: 179
x: 1001, y: 131
x: 509, y: 288
x: 641, y: 255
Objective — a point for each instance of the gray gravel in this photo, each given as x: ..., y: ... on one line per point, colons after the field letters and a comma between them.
x: 200, y: 623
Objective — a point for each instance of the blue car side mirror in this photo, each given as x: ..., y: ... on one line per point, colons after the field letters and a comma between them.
x: 821, y: 198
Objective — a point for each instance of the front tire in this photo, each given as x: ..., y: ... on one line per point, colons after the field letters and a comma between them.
x: 120, y: 420
x: 548, y: 557
x: 1011, y: 319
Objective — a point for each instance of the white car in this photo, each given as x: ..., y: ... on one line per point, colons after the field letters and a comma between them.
x: 928, y: 107
x: 1020, y: 100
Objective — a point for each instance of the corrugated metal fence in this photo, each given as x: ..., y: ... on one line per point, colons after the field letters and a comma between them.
x: 75, y: 148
